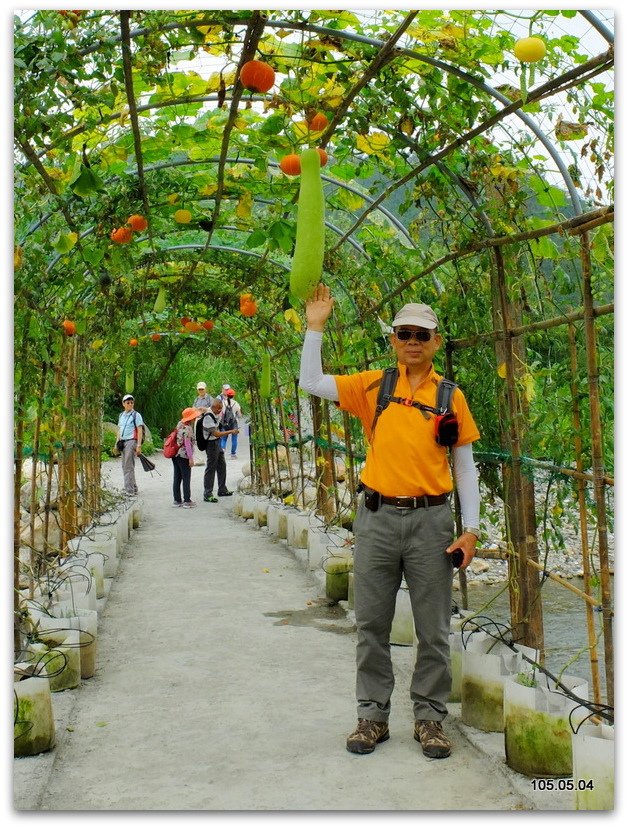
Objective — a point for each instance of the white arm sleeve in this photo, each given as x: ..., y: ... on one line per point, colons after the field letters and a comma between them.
x: 311, y: 377
x: 467, y: 484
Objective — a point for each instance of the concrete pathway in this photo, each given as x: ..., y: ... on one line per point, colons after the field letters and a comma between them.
x: 224, y: 684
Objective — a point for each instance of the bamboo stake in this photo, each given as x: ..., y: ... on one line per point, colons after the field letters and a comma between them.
x: 34, y: 554
x: 300, y: 434
x: 530, y: 620
x: 582, y: 508
x: 597, y: 454
x: 332, y: 456
x: 462, y: 575
x: 17, y: 485
x: 284, y: 428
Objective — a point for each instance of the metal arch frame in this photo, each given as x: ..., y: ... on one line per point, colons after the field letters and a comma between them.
x: 454, y: 70
x: 445, y: 67
x: 328, y: 179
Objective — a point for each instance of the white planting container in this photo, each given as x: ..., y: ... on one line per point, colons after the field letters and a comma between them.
x: 261, y: 511
x: 298, y: 529
x: 137, y: 512
x: 248, y: 507
x: 85, y: 621
x: 62, y: 661
x: 33, y: 720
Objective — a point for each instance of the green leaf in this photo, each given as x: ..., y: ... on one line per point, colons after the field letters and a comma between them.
x: 87, y: 183
x: 65, y: 242
x: 256, y: 239
x: 94, y: 255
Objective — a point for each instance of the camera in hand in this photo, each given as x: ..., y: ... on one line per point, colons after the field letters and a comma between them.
x: 457, y: 557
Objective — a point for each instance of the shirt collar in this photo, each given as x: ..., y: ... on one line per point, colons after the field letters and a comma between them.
x: 430, y: 377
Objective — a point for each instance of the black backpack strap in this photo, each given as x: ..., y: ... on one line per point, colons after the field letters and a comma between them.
x: 444, y: 395
x: 384, y: 395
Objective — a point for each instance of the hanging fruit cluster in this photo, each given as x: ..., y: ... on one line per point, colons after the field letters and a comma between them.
x: 124, y: 235
x: 248, y: 305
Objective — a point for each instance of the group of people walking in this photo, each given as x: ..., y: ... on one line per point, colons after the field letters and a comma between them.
x: 216, y: 420
x: 207, y: 425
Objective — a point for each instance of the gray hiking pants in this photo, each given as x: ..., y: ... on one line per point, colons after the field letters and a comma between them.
x: 128, y: 466
x: 390, y: 543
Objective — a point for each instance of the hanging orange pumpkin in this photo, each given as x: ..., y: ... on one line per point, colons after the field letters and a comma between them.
x: 290, y: 164
x: 318, y: 122
x: 121, y: 235
x: 155, y: 337
x: 323, y: 155
x: 208, y: 324
x: 248, y: 305
x: 69, y: 328
x: 133, y: 343
x: 137, y: 222
x: 257, y: 76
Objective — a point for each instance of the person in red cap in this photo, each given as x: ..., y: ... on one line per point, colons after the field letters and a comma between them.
x: 231, y: 417
x: 404, y: 525
x: 184, y: 459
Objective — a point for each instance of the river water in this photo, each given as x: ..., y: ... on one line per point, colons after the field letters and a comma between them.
x: 564, y: 623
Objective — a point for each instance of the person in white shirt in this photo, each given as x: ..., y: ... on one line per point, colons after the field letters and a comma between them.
x: 203, y: 400
x: 129, y: 436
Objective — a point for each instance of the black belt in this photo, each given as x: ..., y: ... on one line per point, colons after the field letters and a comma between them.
x: 418, y: 502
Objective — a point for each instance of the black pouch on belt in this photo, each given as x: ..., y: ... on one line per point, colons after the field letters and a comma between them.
x: 371, y: 499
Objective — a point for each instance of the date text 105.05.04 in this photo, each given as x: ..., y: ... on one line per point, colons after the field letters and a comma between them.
x: 562, y: 784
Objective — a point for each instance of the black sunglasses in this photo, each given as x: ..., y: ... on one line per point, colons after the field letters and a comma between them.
x: 404, y: 335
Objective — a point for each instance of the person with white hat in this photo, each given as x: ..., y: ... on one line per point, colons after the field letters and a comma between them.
x: 203, y: 400
x: 129, y: 441
x: 404, y: 525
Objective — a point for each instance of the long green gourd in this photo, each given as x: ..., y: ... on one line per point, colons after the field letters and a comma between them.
x: 264, y: 383
x: 129, y: 382
x: 160, y: 301
x: 307, y: 262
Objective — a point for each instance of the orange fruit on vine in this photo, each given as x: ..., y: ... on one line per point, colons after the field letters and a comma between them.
x: 323, y: 156
x: 121, y: 235
x: 69, y: 328
x: 208, y: 324
x: 257, y: 76
x: 137, y: 222
x: 192, y: 326
x: 133, y: 343
x: 182, y: 216
x: 155, y: 337
x: 319, y: 122
x: 530, y: 49
x: 248, y: 308
x: 185, y: 319
x: 290, y: 164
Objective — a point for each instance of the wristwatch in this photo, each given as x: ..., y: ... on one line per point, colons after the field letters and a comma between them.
x: 473, y: 530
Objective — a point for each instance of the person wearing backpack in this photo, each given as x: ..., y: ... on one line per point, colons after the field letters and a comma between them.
x: 183, y: 460
x: 209, y: 431
x: 129, y: 441
x: 404, y: 524
x: 231, y: 413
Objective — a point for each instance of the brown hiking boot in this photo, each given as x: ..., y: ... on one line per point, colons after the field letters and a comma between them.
x: 433, y: 740
x: 367, y: 735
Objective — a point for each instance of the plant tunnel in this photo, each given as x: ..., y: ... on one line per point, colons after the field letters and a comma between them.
x: 156, y: 206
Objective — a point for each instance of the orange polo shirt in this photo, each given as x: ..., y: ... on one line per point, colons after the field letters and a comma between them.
x: 404, y: 459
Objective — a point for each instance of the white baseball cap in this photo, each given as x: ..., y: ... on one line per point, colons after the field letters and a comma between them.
x: 226, y: 387
x: 415, y: 314
x: 128, y: 397
x: 200, y: 385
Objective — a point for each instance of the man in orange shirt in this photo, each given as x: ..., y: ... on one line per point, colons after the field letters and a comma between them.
x: 404, y: 524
